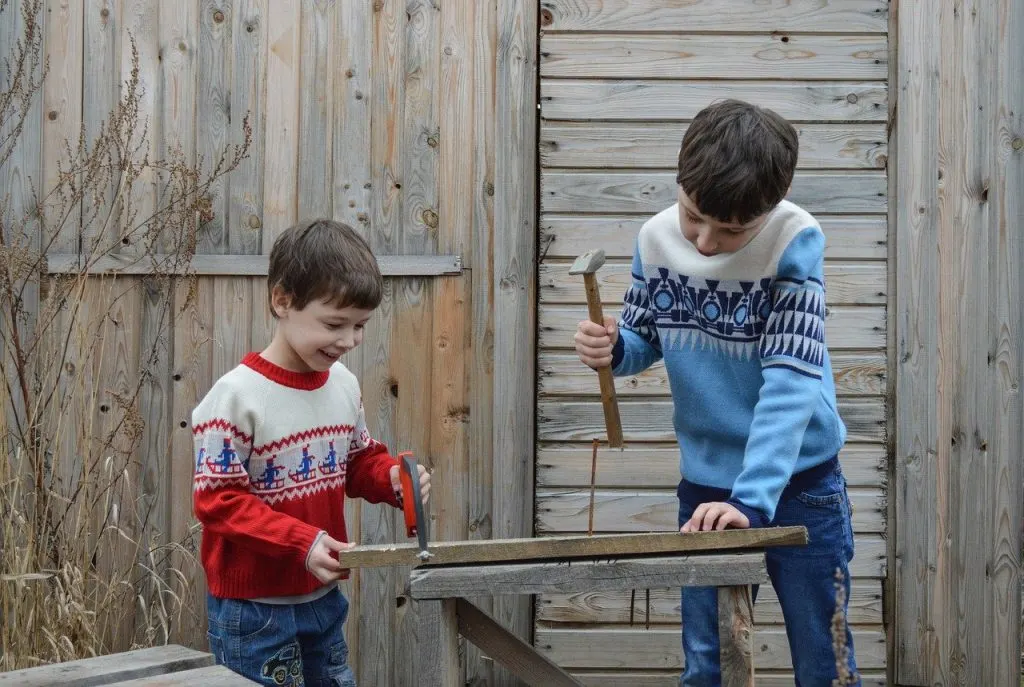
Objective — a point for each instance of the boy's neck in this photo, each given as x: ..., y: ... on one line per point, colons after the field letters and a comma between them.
x: 281, y: 354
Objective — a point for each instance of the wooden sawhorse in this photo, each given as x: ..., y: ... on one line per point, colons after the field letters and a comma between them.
x: 444, y: 612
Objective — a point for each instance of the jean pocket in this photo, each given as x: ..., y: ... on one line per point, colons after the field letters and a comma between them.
x: 830, y: 500
x: 216, y: 648
x: 253, y: 619
x: 338, y: 655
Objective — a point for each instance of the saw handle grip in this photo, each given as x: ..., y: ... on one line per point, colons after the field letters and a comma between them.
x: 409, y: 496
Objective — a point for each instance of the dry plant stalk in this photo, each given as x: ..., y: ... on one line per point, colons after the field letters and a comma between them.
x: 83, y: 569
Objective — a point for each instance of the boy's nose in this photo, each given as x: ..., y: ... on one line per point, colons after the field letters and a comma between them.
x: 705, y: 243
x: 346, y: 338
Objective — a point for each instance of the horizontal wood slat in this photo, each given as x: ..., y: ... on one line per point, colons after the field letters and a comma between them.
x: 649, y: 420
x: 562, y: 374
x: 638, y: 465
x: 772, y: 56
x: 610, y: 16
x: 567, y: 236
x: 845, y: 283
x: 240, y: 265
x: 622, y: 510
x: 670, y: 678
x: 846, y: 327
x: 655, y: 145
x: 646, y: 100
x: 615, y: 191
x: 607, y: 607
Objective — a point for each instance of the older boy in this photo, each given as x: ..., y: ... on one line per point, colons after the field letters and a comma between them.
x: 280, y: 441
x: 728, y: 288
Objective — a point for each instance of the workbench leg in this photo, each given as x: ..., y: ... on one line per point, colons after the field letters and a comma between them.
x: 438, y: 643
x: 736, y: 636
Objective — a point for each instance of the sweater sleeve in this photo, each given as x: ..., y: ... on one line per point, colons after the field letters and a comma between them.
x: 638, y: 346
x: 367, y: 475
x: 792, y: 352
x: 222, y: 431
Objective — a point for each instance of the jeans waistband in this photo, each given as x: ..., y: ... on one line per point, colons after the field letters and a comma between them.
x: 800, y: 481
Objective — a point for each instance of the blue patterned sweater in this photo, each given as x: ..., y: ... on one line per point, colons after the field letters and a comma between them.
x: 743, y: 340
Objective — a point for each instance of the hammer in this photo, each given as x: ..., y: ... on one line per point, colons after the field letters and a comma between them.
x: 588, y: 264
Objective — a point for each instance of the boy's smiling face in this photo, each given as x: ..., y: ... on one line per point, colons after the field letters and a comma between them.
x: 315, y: 337
x: 711, y: 236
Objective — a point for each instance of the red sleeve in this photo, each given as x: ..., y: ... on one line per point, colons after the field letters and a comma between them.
x: 368, y: 474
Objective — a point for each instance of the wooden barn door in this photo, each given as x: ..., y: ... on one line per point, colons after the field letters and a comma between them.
x: 618, y: 83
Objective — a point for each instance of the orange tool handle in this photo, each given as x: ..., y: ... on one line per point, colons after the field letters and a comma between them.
x: 408, y: 496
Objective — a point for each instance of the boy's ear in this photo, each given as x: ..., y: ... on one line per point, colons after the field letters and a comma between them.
x: 280, y: 301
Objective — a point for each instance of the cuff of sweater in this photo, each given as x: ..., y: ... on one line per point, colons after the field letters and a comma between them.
x: 756, y: 517
x: 312, y: 546
x: 618, y: 352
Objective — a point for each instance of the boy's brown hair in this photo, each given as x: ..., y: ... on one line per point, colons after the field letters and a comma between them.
x: 737, y: 160
x: 325, y: 259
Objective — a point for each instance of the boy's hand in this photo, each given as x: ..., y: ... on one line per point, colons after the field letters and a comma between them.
x: 396, y: 481
x: 594, y: 343
x: 715, y: 515
x: 321, y: 561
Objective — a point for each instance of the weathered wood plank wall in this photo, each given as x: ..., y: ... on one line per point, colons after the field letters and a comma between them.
x: 415, y: 122
x: 619, y: 82
x: 958, y: 153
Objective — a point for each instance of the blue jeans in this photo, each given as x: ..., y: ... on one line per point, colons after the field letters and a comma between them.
x: 804, y: 579
x: 272, y: 644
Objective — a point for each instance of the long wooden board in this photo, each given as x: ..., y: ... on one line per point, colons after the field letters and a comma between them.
x: 562, y: 547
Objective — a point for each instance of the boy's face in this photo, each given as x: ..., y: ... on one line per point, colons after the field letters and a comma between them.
x: 711, y: 236
x: 315, y: 337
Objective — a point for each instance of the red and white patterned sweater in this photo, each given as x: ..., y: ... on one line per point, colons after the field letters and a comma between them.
x: 276, y: 452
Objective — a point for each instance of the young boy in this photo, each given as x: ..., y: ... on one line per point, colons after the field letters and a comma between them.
x: 280, y: 441
x: 728, y: 289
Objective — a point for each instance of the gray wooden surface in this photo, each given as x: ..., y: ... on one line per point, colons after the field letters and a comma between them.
x: 104, y: 670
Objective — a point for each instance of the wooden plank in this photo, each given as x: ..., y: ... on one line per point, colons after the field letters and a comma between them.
x: 213, y: 676
x: 846, y: 327
x: 244, y: 265
x: 606, y: 607
x: 567, y: 236
x: 614, y: 191
x: 621, y: 510
x: 572, y: 546
x: 735, y: 636
x: 438, y: 646
x: 351, y: 155
x: 695, y: 56
x: 250, y: 40
x: 103, y: 670
x: 562, y: 374
x: 642, y: 100
x: 316, y: 107
x: 213, y: 111
x: 653, y: 678
x: 628, y: 649
x: 648, y: 420
x: 281, y: 142
x: 847, y: 283
x: 568, y: 465
x: 232, y: 323
x: 914, y: 146
x: 655, y: 145
x: 510, y: 651
x: 514, y: 251
x: 610, y: 16
x: 573, y: 576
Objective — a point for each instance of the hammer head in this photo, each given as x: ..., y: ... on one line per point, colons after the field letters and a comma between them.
x: 589, y: 262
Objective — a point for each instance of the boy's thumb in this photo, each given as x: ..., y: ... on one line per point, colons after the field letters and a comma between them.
x: 335, y: 545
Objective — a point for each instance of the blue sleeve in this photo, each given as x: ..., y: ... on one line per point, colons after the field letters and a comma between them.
x: 638, y: 346
x: 792, y: 351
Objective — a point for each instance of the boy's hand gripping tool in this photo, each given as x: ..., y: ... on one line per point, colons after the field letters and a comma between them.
x: 412, y: 502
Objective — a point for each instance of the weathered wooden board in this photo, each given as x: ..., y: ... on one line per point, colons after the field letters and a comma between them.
x: 670, y: 678
x: 245, y: 265
x: 630, y: 510
x: 213, y: 676
x: 214, y: 116
x: 624, y: 648
x: 655, y: 145
x: 597, y: 575
x: 572, y: 546
x: 846, y: 327
x: 638, y: 465
x: 689, y: 56
x: 567, y: 236
x: 650, y: 420
x: 104, y: 670
x: 618, y: 191
x: 281, y: 119
x: 846, y: 283
x: 562, y: 374
x: 611, y: 16
x: 630, y: 100
x: 604, y: 607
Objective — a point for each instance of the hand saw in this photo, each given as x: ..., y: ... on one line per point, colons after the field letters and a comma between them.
x: 412, y: 502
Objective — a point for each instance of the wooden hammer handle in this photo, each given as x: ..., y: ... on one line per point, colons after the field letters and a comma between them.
x: 604, y: 374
